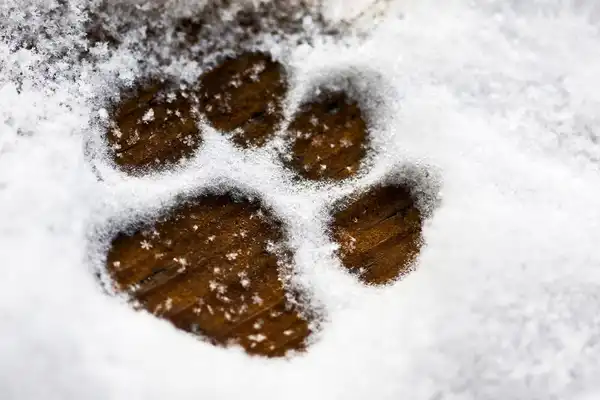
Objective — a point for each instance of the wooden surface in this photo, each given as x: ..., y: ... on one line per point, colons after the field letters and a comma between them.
x: 243, y: 95
x: 379, y: 234
x: 328, y: 137
x: 207, y: 265
x: 153, y: 129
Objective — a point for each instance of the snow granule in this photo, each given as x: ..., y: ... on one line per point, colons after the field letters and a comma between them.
x: 148, y: 116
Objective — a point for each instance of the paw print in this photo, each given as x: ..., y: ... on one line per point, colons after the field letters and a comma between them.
x: 219, y: 264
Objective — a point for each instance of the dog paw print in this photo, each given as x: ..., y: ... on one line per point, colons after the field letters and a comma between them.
x: 218, y: 265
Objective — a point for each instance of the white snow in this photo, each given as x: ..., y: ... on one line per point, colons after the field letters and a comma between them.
x: 498, y: 100
x: 148, y: 116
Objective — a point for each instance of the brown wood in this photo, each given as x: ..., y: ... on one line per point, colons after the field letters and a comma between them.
x: 329, y: 137
x: 379, y: 234
x: 244, y: 95
x: 153, y: 129
x: 208, y: 267
x: 157, y: 127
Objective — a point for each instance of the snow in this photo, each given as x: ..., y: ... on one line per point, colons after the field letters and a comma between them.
x: 495, y: 100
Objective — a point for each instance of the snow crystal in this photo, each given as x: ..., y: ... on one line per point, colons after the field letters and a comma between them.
x: 168, y: 304
x: 258, y: 338
x: 258, y: 324
x: 148, y: 116
x: 256, y: 299
x: 181, y: 261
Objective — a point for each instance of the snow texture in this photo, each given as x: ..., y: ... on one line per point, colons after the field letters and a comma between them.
x: 498, y: 100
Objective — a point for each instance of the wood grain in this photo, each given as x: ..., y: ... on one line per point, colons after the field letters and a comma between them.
x: 211, y: 267
x: 243, y: 95
x: 153, y: 129
x: 379, y: 234
x: 329, y: 136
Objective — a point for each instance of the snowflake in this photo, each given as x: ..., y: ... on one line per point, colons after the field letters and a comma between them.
x: 256, y: 299
x: 148, y: 116
x: 259, y: 337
